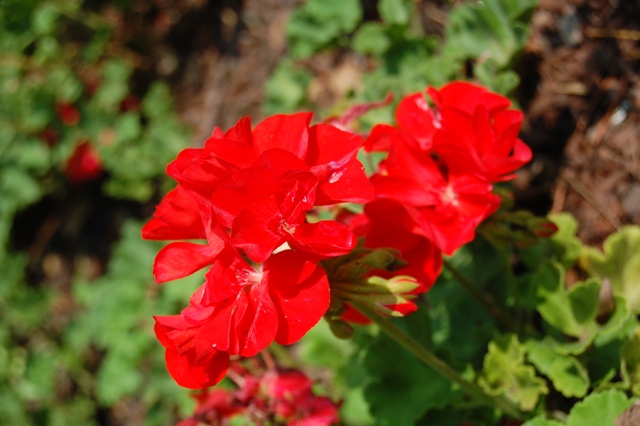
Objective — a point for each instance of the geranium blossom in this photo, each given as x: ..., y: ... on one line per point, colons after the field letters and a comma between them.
x: 246, y: 207
x: 285, y: 397
x: 443, y: 159
x: 258, y: 184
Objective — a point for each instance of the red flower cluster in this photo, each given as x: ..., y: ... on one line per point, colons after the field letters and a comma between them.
x: 275, y: 397
x: 443, y: 160
x: 247, y: 193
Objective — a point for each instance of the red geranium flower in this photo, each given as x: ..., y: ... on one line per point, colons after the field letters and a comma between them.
x: 83, y: 165
x: 68, y: 113
x: 256, y: 186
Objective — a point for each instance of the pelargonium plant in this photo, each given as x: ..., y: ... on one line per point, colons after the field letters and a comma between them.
x: 254, y: 197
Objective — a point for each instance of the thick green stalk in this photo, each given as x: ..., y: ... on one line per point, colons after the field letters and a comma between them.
x: 432, y: 361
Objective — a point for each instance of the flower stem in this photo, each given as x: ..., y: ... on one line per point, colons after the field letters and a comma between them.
x: 432, y: 361
x: 483, y: 299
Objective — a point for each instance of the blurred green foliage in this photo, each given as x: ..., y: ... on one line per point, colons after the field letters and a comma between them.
x: 482, y: 37
x: 83, y: 354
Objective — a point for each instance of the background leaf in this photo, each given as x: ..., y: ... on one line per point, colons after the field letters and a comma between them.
x: 599, y: 408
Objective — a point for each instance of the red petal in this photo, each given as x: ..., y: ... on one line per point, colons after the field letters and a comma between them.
x: 200, y: 171
x: 324, y: 238
x: 177, y: 217
x: 466, y: 96
x: 382, y: 138
x: 331, y: 146
x: 353, y: 315
x: 177, y: 260
x: 414, y: 116
x: 241, y: 131
x: 287, y: 132
x: 450, y: 227
x: 240, y: 153
x: 300, y: 291
x: 296, y: 195
x: 193, y: 375
x: 279, y: 161
x: 348, y: 184
x: 235, y: 146
x: 392, y: 226
x: 256, y: 230
x: 246, y: 188
x: 255, y: 321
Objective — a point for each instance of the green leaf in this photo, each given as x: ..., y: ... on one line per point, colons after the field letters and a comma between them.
x: 584, y: 300
x: 317, y: 23
x: 619, y: 325
x: 620, y: 264
x: 286, y: 89
x: 492, y: 29
x: 565, y: 243
x: 118, y: 376
x: 599, y: 409
x: 566, y: 373
x: 44, y: 19
x: 114, y: 86
x: 394, y: 11
x: 391, y: 367
x: 157, y: 102
x: 541, y: 420
x: 371, y: 38
x: 573, y: 311
x: 466, y: 336
x: 631, y: 362
x: 493, y: 79
x: 505, y: 372
x: 320, y: 348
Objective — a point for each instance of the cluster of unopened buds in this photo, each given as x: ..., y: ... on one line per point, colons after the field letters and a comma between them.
x: 278, y: 212
x: 263, y: 396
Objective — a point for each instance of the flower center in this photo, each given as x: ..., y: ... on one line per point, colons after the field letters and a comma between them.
x: 287, y: 227
x: 449, y: 196
x: 249, y: 276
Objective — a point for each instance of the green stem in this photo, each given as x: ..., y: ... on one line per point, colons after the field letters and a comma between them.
x: 482, y: 298
x: 432, y: 361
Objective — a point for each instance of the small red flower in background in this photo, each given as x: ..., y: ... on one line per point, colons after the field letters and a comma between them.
x: 130, y: 103
x: 68, y: 113
x: 83, y: 165
x: 50, y: 136
x: 270, y: 397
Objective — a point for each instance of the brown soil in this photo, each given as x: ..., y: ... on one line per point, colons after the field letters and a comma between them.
x: 581, y: 99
